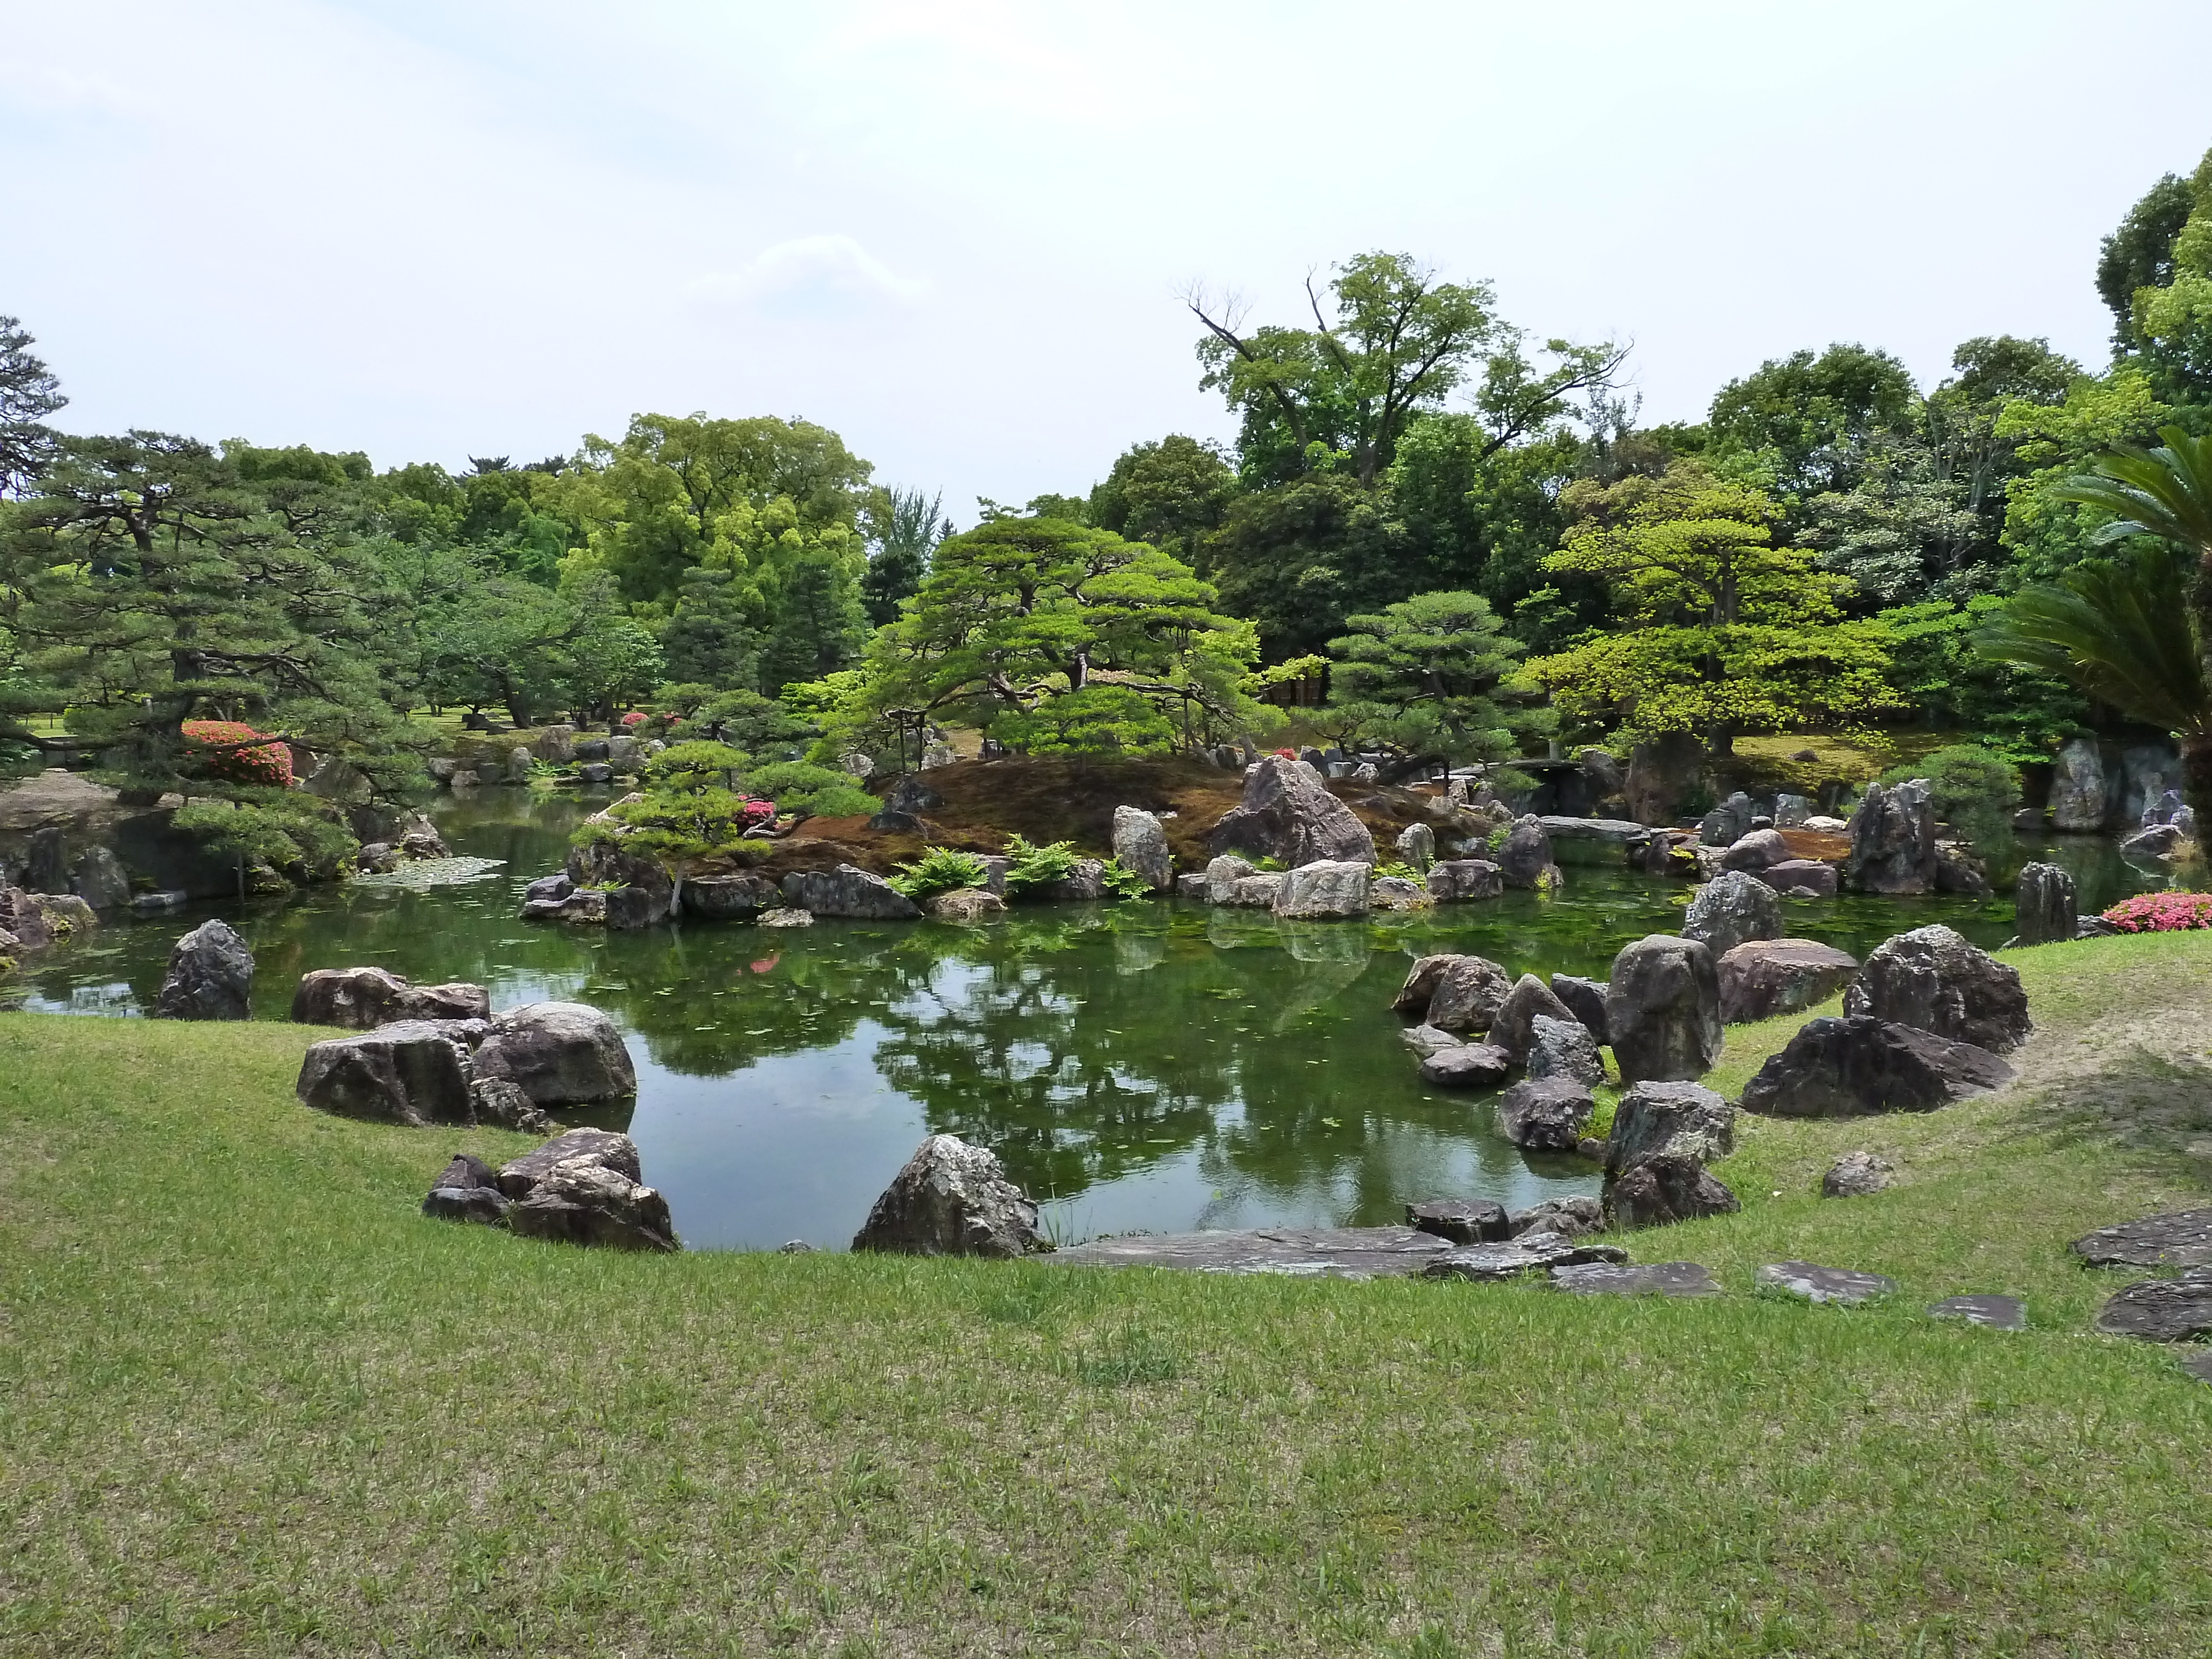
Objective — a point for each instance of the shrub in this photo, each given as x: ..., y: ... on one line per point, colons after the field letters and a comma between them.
x: 1404, y: 872
x: 808, y: 791
x: 940, y: 869
x: 1037, y: 866
x: 1975, y: 790
x: 1125, y: 883
x: 2161, y: 913
x: 268, y: 766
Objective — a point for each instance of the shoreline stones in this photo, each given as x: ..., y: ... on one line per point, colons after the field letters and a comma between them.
x: 1564, y: 1047
x: 1662, y: 1010
x: 1140, y: 846
x: 1464, y: 994
x: 1545, y: 1114
x: 1932, y: 979
x: 1730, y: 911
x: 1572, y: 1218
x: 1512, y: 1258
x: 952, y: 1199
x: 1461, y: 1221
x: 1663, y: 1135
x: 559, y: 1053
x: 848, y: 892
x: 1512, y: 1028
x: 585, y: 1186
x: 1858, y: 1065
x: 1763, y: 978
x: 1467, y: 1066
x: 211, y: 976
x: 1463, y: 881
x: 1324, y: 890
x: 415, y: 1073
x: 1893, y: 840
x: 1585, y: 1000
x: 362, y: 999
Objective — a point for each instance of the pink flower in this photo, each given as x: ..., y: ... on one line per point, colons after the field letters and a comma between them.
x: 2161, y: 913
x: 635, y: 717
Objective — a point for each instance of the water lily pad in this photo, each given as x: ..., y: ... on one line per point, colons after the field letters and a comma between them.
x: 421, y: 874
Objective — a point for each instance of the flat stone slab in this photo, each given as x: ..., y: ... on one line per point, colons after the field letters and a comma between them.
x: 2162, y: 1310
x: 1845, y: 1285
x: 1461, y: 1221
x: 418, y: 874
x: 1999, y: 1313
x: 2181, y: 1238
x: 1642, y: 1279
x: 2199, y: 1366
x: 1300, y: 1252
x: 1531, y: 1253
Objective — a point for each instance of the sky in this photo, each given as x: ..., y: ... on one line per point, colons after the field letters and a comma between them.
x: 959, y: 232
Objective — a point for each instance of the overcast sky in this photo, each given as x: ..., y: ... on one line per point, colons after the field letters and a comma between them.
x: 957, y: 231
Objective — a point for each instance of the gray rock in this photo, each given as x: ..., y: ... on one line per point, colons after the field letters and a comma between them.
x: 1513, y: 1027
x: 2156, y: 842
x: 518, y: 765
x: 591, y: 749
x: 1791, y: 810
x: 1459, y: 881
x: 1764, y: 978
x: 1514, y: 1258
x: 1526, y: 854
x: 2162, y: 1310
x: 1570, y: 1218
x: 1140, y: 844
x: 1585, y: 1001
x: 549, y: 889
x: 1417, y: 846
x: 1730, y: 909
x: 100, y: 879
x: 632, y: 908
x: 740, y: 897
x: 362, y: 999
x: 1641, y: 1279
x: 1425, y: 1040
x: 596, y: 775
x: 1999, y: 1313
x: 1222, y: 875
x: 951, y: 1199
x: 1285, y: 813
x: 519, y: 1176
x: 497, y: 1100
x: 419, y: 839
x: 1931, y: 978
x: 911, y: 796
x: 1660, y: 774
x: 1801, y: 877
x: 2078, y: 794
x: 211, y: 976
x: 559, y: 1053
x: 1680, y: 1120
x: 1755, y: 851
x: 1085, y: 884
x: 1958, y: 871
x: 2179, y: 1239
x: 1396, y: 893
x: 580, y: 1200
x: 1292, y: 1252
x: 1468, y: 994
x: 624, y: 754
x: 1663, y: 1009
x: 1729, y: 822
x: 794, y: 1247
x: 1193, y: 885
x: 554, y: 745
x: 466, y: 1190
x: 1564, y: 1047
x: 1893, y: 840
x: 1256, y: 892
x: 1843, y: 1285
x: 1856, y: 1175
x: 1327, y: 890
x: 1462, y: 1220
x: 1859, y: 1064
x: 2199, y: 1366
x: 967, y: 905
x: 1545, y: 1114
x: 847, y: 890
x: 166, y: 899
x: 1467, y: 1066
x: 415, y: 1073
x: 610, y: 865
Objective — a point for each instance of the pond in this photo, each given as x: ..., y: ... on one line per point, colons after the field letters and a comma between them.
x: 1147, y: 1066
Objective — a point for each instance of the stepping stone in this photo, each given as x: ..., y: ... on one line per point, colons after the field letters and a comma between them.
x: 2180, y: 1239
x: 1816, y: 1284
x: 2200, y: 1367
x: 2162, y: 1310
x: 1462, y: 1220
x: 1531, y: 1253
x: 1643, y: 1279
x: 1999, y: 1313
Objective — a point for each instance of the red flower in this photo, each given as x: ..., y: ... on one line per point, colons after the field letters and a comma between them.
x: 268, y: 765
x: 2161, y: 913
x: 760, y: 811
x: 635, y: 717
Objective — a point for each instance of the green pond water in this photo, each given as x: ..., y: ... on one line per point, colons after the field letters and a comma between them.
x: 1150, y: 1065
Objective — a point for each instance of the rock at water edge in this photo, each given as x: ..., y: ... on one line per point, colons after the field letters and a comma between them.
x: 1662, y: 1010
x: 1764, y: 978
x: 1462, y: 1220
x: 1857, y: 1064
x: 362, y: 999
x: 1140, y: 845
x: 1545, y: 1114
x: 1285, y: 813
x: 1467, y: 1066
x: 415, y: 1073
x: 2043, y: 904
x: 1512, y: 1028
x: 1564, y: 1047
x: 1730, y: 911
x: 952, y: 1199
x: 559, y: 1053
x: 211, y: 976
x: 1324, y: 890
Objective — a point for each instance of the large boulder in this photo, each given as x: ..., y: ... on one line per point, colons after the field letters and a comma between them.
x: 1286, y: 814
x: 2043, y: 904
x: 847, y: 890
x: 1933, y: 979
x: 1458, y: 881
x: 1140, y: 845
x: 99, y: 878
x: 1800, y: 877
x: 1421, y: 980
x: 1664, y: 1189
x: 2078, y: 793
x: 519, y: 1176
x: 1729, y: 910
x: 1512, y: 1028
x: 740, y: 897
x: 1846, y: 1067
x: 1545, y: 1114
x: 1663, y: 1009
x: 1257, y: 892
x: 1755, y: 851
x: 1526, y: 853
x: 951, y: 1199
x: 581, y: 1200
x: 211, y: 976
x: 1893, y: 840
x: 24, y: 919
x: 1763, y: 978
x: 362, y: 999
x: 1325, y: 889
x: 1468, y: 994
x: 1684, y: 1119
x: 607, y: 864
x: 1417, y: 846
x: 559, y: 1053
x: 1222, y: 875
x: 1564, y: 1047
x: 1585, y: 1001
x: 415, y: 1073
x: 1660, y: 773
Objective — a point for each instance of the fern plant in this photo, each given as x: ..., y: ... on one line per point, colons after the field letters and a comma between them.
x: 1124, y: 884
x: 940, y: 869
x: 1035, y: 867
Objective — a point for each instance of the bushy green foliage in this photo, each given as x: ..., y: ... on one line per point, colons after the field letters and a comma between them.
x: 1121, y: 882
x: 1424, y: 675
x: 691, y: 767
x: 1035, y: 867
x: 1974, y: 790
x: 808, y: 791
x: 940, y: 869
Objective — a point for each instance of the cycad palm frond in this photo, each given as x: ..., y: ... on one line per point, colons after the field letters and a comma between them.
x: 2165, y: 492
x: 2119, y: 629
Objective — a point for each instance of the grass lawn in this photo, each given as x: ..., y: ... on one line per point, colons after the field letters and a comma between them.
x: 251, y: 1402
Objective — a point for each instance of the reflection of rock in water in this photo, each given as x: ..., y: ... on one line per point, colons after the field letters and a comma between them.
x: 1325, y: 941
x: 1239, y: 930
x: 1134, y: 953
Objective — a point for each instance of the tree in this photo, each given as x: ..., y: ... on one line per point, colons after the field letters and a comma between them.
x: 911, y: 528
x: 1300, y: 557
x: 1805, y: 420
x: 2172, y: 321
x: 1904, y: 532
x: 817, y: 624
x: 29, y: 391
x: 1424, y: 675
x: 1717, y: 631
x: 2139, y: 254
x: 712, y: 637
x: 1173, y: 493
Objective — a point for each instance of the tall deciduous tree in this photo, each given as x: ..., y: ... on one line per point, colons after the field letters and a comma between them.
x: 1173, y: 493
x: 1805, y: 420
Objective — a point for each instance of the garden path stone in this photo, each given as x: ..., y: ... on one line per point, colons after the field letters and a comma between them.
x: 1856, y: 1175
x: 1461, y: 1221
x: 1299, y: 1252
x: 1641, y: 1279
x: 2162, y: 1310
x: 2179, y: 1239
x: 1999, y: 1313
x: 1845, y: 1285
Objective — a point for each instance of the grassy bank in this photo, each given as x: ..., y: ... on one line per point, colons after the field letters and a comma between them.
x: 249, y: 1402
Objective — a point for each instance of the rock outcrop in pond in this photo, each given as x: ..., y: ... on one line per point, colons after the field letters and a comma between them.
x: 1513, y: 1027
x: 1893, y: 840
x: 2043, y: 904
x: 1730, y: 909
x: 1933, y: 979
x: 211, y: 976
x: 952, y: 1199
x: 1324, y: 890
x: 1140, y: 846
x: 847, y: 891
x: 1286, y: 814
x: 362, y: 999
x: 1545, y: 1114
x: 1454, y: 993
x: 414, y: 1072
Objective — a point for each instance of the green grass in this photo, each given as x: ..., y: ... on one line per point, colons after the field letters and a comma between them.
x: 251, y: 1403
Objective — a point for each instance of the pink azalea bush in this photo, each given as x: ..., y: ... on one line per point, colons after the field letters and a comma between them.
x: 634, y: 718
x: 759, y: 811
x: 2161, y: 913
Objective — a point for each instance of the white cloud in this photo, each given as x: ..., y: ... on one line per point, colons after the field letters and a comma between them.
x: 810, y: 272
